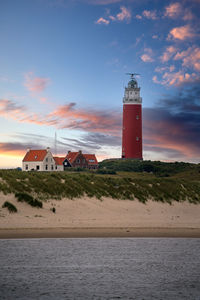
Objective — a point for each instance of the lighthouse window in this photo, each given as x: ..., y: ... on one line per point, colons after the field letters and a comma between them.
x: 137, y: 138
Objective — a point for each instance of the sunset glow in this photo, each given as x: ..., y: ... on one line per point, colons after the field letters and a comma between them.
x: 63, y: 71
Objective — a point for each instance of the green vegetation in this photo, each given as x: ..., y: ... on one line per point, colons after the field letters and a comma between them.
x: 10, y: 207
x: 160, y: 169
x: 119, y: 179
x: 23, y: 197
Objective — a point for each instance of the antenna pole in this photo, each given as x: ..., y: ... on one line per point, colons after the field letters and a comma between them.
x: 55, y: 144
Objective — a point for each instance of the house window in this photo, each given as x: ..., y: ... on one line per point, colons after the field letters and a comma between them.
x: 78, y: 161
x: 51, y: 167
x: 137, y: 117
x: 83, y: 161
x: 91, y: 160
x: 137, y: 138
x: 26, y: 167
x: 46, y: 167
x: 37, y: 167
x: 56, y: 167
x: 65, y: 163
x: 47, y: 159
x: 35, y: 156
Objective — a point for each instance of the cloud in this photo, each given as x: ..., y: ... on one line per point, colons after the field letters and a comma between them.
x: 173, y: 126
x: 65, y: 116
x: 12, y: 110
x: 93, y: 142
x: 139, y: 17
x: 102, y: 2
x: 173, y: 10
x: 35, y: 84
x: 43, y: 99
x: 176, y: 78
x: 102, y: 21
x: 188, y: 16
x: 164, y: 69
x: 147, y: 56
x: 87, y: 120
x: 169, y: 52
x: 125, y: 14
x: 182, y: 33
x: 149, y: 14
x: 190, y: 58
x: 18, y: 148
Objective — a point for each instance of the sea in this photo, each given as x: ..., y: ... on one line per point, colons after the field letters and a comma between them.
x: 100, y: 268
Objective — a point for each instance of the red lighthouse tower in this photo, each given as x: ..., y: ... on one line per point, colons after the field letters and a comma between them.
x: 132, y: 121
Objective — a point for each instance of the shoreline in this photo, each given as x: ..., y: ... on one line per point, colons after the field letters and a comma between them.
x: 103, y: 232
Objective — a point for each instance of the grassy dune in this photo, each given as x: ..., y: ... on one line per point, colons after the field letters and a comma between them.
x: 131, y: 179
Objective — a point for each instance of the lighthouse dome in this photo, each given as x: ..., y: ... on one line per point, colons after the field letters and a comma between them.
x: 133, y: 83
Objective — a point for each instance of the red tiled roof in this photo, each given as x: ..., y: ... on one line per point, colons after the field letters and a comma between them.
x: 59, y: 160
x: 91, y: 159
x: 71, y: 156
x: 35, y: 155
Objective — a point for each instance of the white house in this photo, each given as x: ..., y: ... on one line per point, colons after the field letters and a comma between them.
x: 38, y: 160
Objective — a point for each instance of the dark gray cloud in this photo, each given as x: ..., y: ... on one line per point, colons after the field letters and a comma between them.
x: 173, y: 126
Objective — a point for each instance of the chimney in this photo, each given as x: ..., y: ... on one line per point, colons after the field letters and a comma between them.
x: 69, y: 152
x: 28, y: 149
x: 48, y: 149
x: 80, y: 152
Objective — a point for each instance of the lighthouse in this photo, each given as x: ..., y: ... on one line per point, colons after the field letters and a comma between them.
x: 132, y: 121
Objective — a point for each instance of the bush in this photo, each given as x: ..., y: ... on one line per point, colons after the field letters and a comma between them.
x: 23, y: 197
x: 10, y: 206
x: 104, y: 171
x: 53, y: 209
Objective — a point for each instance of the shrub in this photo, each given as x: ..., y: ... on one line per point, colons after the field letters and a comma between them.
x: 53, y: 209
x: 23, y: 197
x: 104, y: 171
x: 10, y: 206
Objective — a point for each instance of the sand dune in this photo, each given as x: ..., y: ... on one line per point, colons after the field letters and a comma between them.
x: 93, y: 213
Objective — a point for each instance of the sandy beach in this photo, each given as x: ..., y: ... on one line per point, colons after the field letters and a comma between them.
x: 90, y: 217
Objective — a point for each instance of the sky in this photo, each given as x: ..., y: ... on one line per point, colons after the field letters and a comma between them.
x: 63, y: 66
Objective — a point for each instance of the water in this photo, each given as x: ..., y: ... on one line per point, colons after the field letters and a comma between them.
x: 102, y: 268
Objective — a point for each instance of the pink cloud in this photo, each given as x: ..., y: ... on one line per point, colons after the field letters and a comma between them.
x: 112, y: 18
x: 35, y: 84
x: 147, y: 56
x: 89, y: 120
x: 125, y: 14
x: 43, y: 99
x: 190, y: 58
x: 138, y: 17
x: 188, y: 15
x: 9, y: 109
x: 169, y: 52
x: 65, y: 116
x: 173, y: 10
x: 150, y: 14
x: 182, y: 33
x: 176, y: 78
x: 102, y: 21
x: 102, y: 2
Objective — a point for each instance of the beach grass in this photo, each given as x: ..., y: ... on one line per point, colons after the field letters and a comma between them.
x: 11, y: 207
x: 122, y: 179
